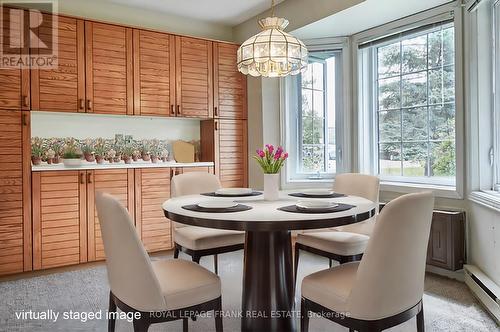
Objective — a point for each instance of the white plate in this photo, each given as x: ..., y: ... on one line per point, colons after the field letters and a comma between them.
x: 233, y: 191
x: 317, y: 192
x: 217, y: 204
x: 315, y: 205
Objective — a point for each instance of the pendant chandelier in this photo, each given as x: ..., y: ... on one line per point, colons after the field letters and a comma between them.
x: 272, y: 52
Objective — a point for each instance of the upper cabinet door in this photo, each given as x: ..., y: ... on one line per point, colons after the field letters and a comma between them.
x: 194, y: 78
x: 230, y: 88
x: 109, y: 69
x: 61, y: 89
x: 154, y: 73
x: 14, y: 80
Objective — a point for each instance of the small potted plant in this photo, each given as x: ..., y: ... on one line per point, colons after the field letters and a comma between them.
x: 37, y: 150
x: 56, y: 145
x: 100, y: 148
x: 136, y: 155
x: 110, y: 155
x: 128, y: 153
x: 88, y: 150
x: 271, y: 161
x: 164, y: 155
x: 146, y: 150
x: 49, y: 156
x: 72, y: 156
x: 156, y: 150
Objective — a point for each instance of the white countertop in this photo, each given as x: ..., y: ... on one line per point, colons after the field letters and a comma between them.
x: 137, y: 164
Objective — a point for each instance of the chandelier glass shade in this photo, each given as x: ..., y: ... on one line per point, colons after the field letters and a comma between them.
x: 272, y: 52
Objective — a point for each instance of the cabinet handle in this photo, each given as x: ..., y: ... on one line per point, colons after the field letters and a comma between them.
x: 178, y: 110
x: 216, y: 111
x: 172, y: 109
x: 25, y: 119
x: 82, y: 103
x: 89, y: 104
x: 82, y: 178
x: 216, y: 125
x: 89, y: 178
x: 25, y: 101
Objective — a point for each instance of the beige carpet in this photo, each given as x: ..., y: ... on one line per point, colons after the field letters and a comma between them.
x: 449, y: 305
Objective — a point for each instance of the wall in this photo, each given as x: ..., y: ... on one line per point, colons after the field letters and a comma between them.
x: 137, y: 17
x: 47, y: 124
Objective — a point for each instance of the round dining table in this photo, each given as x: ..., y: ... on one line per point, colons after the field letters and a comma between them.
x: 268, y: 290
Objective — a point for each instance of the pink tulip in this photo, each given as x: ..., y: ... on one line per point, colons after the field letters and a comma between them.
x: 277, y: 156
x: 285, y: 155
x: 270, y: 148
x: 261, y: 153
x: 279, y: 150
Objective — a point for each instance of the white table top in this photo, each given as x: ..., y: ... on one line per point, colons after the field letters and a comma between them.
x: 264, y: 212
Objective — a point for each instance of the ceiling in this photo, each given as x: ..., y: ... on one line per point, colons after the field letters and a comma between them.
x: 365, y: 15
x: 225, y: 12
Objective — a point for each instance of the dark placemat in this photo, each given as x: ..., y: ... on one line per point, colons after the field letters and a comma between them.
x: 302, y: 195
x: 237, y: 208
x: 294, y: 209
x: 213, y: 194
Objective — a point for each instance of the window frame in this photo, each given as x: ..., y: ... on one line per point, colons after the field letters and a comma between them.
x: 292, y: 179
x: 364, y: 125
x: 495, y: 150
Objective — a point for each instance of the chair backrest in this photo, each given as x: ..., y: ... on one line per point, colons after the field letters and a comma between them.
x: 194, y: 183
x: 390, y: 277
x: 130, y: 273
x: 356, y: 184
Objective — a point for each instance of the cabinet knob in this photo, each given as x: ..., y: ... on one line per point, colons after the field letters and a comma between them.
x: 216, y: 125
x: 25, y: 119
x: 82, y: 178
x: 216, y: 111
x: 82, y: 103
x: 89, y: 104
x: 178, y: 110
x: 89, y: 177
x: 25, y: 101
x: 172, y: 109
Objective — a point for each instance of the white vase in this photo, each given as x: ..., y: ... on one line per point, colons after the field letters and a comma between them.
x: 271, y: 187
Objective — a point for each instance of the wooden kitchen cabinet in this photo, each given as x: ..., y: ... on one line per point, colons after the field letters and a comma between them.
x: 194, y: 77
x: 154, y: 73
x: 120, y: 184
x: 15, y: 200
x: 61, y: 89
x: 152, y: 188
x: 224, y: 141
x: 14, y: 82
x: 109, y: 69
x: 59, y: 218
x: 229, y: 84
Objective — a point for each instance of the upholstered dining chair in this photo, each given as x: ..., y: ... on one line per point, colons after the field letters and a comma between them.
x: 200, y: 241
x: 159, y: 291
x: 346, y: 243
x: 386, y: 287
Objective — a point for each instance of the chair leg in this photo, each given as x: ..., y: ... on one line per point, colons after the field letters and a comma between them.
x: 184, y: 325
x: 176, y: 252
x: 195, y: 258
x: 141, y: 325
x: 330, y: 262
x: 111, y: 318
x: 304, y: 317
x: 216, y: 264
x: 218, y: 316
x: 420, y: 320
x: 296, y: 265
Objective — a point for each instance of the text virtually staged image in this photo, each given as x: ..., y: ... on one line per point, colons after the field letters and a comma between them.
x: 253, y: 166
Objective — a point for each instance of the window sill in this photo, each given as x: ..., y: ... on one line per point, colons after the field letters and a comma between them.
x: 308, y: 183
x: 405, y: 187
x: 489, y: 199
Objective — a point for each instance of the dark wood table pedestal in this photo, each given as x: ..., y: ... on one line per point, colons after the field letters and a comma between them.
x: 268, y: 283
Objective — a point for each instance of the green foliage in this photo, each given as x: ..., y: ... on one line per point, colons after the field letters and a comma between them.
x: 443, y: 163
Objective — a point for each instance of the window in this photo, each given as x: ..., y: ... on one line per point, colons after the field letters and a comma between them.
x: 413, y: 107
x: 313, y: 100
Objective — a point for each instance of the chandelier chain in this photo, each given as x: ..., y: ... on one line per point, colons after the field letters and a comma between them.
x: 272, y: 8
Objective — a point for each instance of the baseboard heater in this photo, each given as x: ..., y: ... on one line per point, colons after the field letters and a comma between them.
x: 485, y: 289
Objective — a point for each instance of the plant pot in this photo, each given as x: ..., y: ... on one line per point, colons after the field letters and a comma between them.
x: 110, y: 160
x: 56, y: 160
x: 135, y: 158
x: 164, y: 159
x: 99, y: 159
x: 89, y: 157
x: 49, y: 161
x: 154, y: 159
x: 127, y: 160
x: 271, y: 187
x: 117, y: 159
x: 72, y: 162
x: 146, y: 157
x: 36, y: 160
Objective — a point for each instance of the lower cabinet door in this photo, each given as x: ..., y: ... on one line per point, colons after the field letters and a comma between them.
x: 116, y: 182
x: 59, y: 218
x: 231, y: 152
x: 152, y: 189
